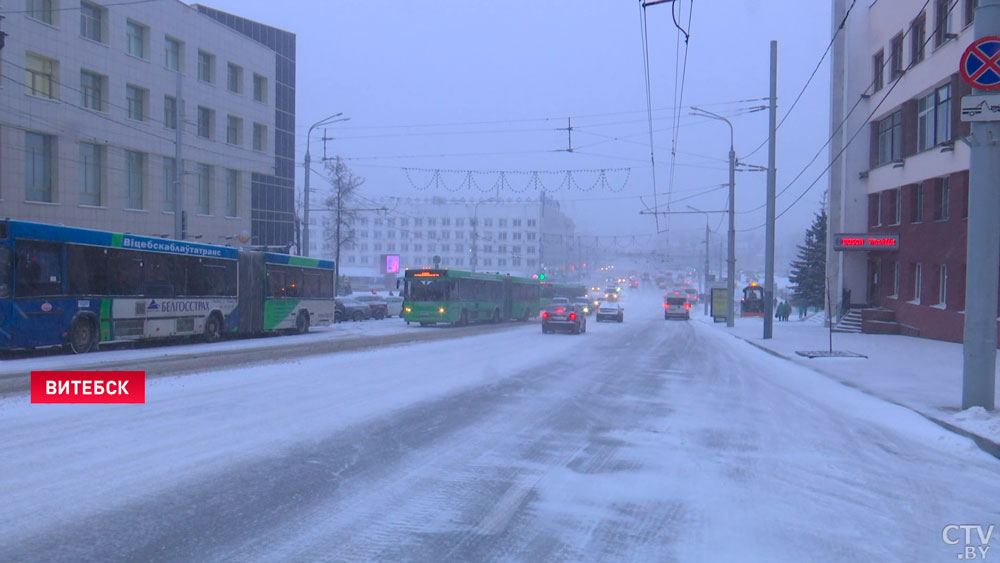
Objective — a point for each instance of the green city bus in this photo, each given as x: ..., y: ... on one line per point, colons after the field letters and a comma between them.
x: 434, y: 295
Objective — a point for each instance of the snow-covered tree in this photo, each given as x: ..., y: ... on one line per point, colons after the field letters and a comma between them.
x: 808, y: 275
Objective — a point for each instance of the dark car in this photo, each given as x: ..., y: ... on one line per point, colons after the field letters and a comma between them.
x: 610, y: 312
x: 569, y: 317
x: 676, y: 307
x: 347, y: 308
x: 585, y: 304
x: 692, y: 294
x: 378, y: 305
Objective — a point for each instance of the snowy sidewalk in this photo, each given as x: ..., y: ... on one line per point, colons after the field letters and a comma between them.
x: 920, y: 374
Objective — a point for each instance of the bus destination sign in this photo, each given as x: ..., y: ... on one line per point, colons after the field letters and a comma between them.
x: 866, y: 241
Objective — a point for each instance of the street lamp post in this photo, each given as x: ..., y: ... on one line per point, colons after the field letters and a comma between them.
x: 304, y: 251
x: 731, y: 273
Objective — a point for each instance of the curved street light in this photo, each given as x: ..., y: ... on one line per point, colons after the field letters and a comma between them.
x: 304, y: 251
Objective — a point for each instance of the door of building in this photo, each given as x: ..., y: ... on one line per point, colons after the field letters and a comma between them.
x: 874, y: 281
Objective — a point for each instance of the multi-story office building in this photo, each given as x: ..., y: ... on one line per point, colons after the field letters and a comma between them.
x: 896, y: 88
x: 515, y: 236
x: 94, y: 93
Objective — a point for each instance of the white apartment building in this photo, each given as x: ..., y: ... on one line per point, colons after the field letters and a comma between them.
x: 511, y: 236
x: 89, y: 91
x: 896, y: 89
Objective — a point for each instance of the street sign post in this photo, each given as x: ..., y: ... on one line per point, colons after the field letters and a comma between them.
x: 981, y: 108
x: 978, y: 65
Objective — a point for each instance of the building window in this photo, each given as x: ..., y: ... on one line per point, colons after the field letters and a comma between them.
x: 897, y: 206
x: 92, y: 90
x: 135, y: 178
x: 531, y: 222
x: 942, y: 14
x: 917, y: 204
x: 942, y: 199
x: 136, y: 97
x: 206, y: 67
x: 91, y: 173
x: 917, y: 279
x: 136, y: 39
x: 38, y: 166
x: 170, y: 183
x: 206, y: 117
x: 895, y: 280
x: 39, y: 76
x: 232, y: 192
x: 235, y: 79
x: 172, y: 53
x: 259, y: 88
x: 234, y: 130
x: 878, y: 62
x: 970, y: 10
x: 942, y: 130
x: 875, y: 209
x: 918, y: 38
x: 531, y: 236
x: 943, y: 285
x: 934, y: 118
x: 896, y: 57
x: 259, y: 137
x: 890, y: 138
x: 92, y: 21
x: 41, y: 10
x: 204, y: 189
x: 170, y: 112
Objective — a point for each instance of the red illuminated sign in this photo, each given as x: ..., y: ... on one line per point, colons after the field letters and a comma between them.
x: 88, y: 387
x: 866, y: 241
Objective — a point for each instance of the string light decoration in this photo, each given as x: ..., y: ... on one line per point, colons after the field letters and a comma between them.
x: 612, y: 180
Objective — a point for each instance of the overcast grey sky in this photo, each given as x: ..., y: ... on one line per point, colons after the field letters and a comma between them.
x: 508, y: 74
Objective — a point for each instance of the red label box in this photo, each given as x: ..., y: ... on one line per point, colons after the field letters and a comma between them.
x: 88, y: 387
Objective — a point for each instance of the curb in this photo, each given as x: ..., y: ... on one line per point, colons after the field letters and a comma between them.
x: 983, y: 443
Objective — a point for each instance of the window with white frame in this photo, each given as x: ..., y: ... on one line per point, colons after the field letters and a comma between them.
x: 259, y: 88
x: 206, y: 120
x: 895, y: 280
x: 39, y: 76
x: 234, y: 130
x: 136, y: 36
x: 91, y: 173
x: 38, y: 165
x: 206, y: 67
x: 92, y: 90
x: 232, y: 192
x: 234, y: 80
x: 204, y: 174
x: 92, y: 21
x: 917, y: 281
x: 41, y: 10
x: 259, y: 137
x: 173, y: 53
x: 943, y: 285
x: 170, y: 112
x: 135, y: 179
x: 136, y: 98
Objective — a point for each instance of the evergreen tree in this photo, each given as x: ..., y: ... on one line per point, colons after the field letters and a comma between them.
x: 808, y: 275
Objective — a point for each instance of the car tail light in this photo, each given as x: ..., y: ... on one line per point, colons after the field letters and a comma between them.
x: 687, y: 305
x: 572, y: 316
x: 666, y: 305
x: 545, y: 314
x: 560, y: 310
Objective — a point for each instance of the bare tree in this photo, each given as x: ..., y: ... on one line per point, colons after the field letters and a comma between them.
x: 338, y: 230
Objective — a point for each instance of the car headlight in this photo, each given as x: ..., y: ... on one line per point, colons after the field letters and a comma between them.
x: 407, y: 309
x: 441, y: 310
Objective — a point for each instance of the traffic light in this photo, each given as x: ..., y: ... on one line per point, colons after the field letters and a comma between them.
x: 541, y: 276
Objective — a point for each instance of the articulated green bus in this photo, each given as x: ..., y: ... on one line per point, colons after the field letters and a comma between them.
x: 439, y: 295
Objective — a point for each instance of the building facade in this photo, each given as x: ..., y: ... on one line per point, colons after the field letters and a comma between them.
x: 515, y: 236
x: 896, y: 88
x: 95, y: 93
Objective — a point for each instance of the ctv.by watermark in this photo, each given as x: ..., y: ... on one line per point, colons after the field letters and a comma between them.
x: 972, y: 539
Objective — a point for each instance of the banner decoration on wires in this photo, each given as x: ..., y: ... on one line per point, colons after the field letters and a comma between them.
x: 518, y: 181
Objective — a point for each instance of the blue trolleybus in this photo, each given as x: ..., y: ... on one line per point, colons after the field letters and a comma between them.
x: 80, y: 287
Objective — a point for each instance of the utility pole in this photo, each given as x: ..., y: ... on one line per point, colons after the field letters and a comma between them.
x: 569, y: 131
x: 179, y: 225
x: 771, y: 177
x: 983, y: 263
x: 304, y: 251
x: 705, y: 293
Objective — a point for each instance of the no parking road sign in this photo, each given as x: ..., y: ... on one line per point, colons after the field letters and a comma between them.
x: 979, y: 65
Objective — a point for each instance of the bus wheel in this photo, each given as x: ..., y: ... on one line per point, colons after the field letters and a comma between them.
x: 302, y: 323
x: 82, y: 335
x: 213, y: 328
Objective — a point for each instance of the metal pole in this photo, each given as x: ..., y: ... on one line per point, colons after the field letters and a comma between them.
x: 336, y: 263
x: 731, y: 273
x: 178, y: 166
x: 705, y: 293
x: 304, y: 251
x: 983, y: 261
x: 475, y: 236
x: 771, y: 174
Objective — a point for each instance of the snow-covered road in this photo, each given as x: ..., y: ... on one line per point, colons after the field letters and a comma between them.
x: 642, y: 441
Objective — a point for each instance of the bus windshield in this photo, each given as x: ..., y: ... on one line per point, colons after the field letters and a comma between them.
x: 4, y: 272
x: 427, y: 290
